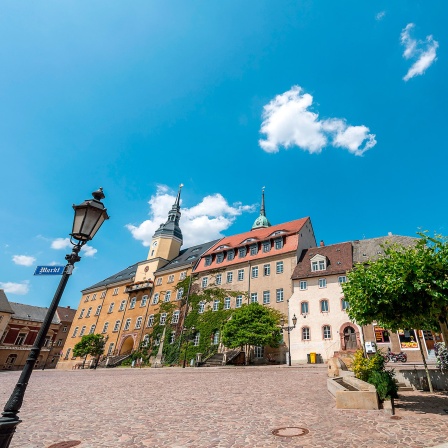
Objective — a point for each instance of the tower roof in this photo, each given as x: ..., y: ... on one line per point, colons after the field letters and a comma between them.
x: 261, y: 222
x: 171, y: 227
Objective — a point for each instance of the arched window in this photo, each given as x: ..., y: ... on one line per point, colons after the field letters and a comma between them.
x: 324, y: 307
x: 175, y: 318
x: 306, y: 335
x: 197, y: 338
x: 132, y: 303
x: 326, y: 330
x: 216, y: 338
x: 150, y: 320
x: 344, y: 304
x: 201, y: 307
x: 138, y: 322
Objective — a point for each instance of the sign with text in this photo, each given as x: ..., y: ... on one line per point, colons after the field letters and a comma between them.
x: 49, y: 270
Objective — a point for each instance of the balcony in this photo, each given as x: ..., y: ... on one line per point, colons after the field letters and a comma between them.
x: 138, y: 286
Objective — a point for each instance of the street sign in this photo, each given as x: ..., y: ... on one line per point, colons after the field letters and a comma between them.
x: 49, y: 270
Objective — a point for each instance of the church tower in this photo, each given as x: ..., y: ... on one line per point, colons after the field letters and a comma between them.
x: 167, y: 239
x: 261, y: 222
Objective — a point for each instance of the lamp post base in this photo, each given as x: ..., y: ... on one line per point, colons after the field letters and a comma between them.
x: 7, y: 430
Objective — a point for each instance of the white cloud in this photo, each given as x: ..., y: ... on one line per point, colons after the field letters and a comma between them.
x: 64, y: 243
x: 23, y: 260
x: 380, y: 15
x: 425, y: 52
x: 203, y: 222
x: 287, y: 122
x: 15, y: 288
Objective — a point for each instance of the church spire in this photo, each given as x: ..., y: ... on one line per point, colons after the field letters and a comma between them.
x: 171, y: 227
x: 261, y: 221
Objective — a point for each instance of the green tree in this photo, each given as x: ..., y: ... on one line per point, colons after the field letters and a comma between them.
x: 250, y: 325
x: 406, y: 288
x: 90, y: 344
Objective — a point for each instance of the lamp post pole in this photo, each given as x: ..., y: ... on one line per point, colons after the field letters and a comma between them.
x: 83, y: 231
x: 289, y: 328
x: 189, y: 335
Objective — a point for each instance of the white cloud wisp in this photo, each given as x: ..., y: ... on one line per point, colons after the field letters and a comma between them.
x: 380, y: 15
x: 23, y: 260
x: 15, y: 288
x: 64, y: 243
x: 424, y: 52
x: 203, y: 222
x: 287, y: 122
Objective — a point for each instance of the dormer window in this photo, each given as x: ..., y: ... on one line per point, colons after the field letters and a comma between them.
x: 230, y: 255
x: 254, y: 249
x: 249, y: 240
x: 318, y: 263
x: 278, y: 243
x: 219, y: 258
x: 191, y: 257
x: 242, y: 252
x: 208, y: 260
x: 224, y: 246
x: 278, y: 232
x: 266, y: 246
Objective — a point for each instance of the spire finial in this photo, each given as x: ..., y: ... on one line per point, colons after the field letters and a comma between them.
x: 262, y: 210
x: 177, y: 201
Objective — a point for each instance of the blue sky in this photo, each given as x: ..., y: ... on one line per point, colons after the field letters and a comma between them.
x: 338, y: 109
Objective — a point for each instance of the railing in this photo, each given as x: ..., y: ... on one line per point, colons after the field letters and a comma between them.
x: 139, y: 286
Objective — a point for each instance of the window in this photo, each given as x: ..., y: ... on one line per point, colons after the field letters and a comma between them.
x: 105, y: 327
x: 75, y: 331
x: 229, y: 277
x: 342, y: 279
x: 145, y: 341
x: 201, y: 307
x: 216, y: 338
x: 259, y: 351
x: 111, y: 307
x: 159, y: 281
x: 132, y: 303
x: 170, y: 278
x: 47, y: 341
x: 254, y: 249
x: 98, y: 310
x: 94, y: 297
x: 303, y: 285
x: 240, y: 275
x: 279, y: 295
x: 64, y: 329
x: 321, y: 265
x: 138, y: 322
x: 266, y: 297
x: 127, y: 324
x: 306, y: 336
x: 155, y: 299
x: 304, y: 308
x: 322, y: 283
x: 111, y: 349
x: 267, y: 269
x: 115, y: 292
x: 314, y: 266
x: 255, y: 272
x: 230, y: 255
x: 88, y: 312
x: 150, y: 321
x: 216, y: 305
x: 204, y: 282
x: 327, y: 331
x: 92, y: 329
x: 68, y: 353
x: 218, y: 279
x: 122, y: 305
x: 278, y: 243
x: 144, y: 301
x: 103, y: 294
x: 116, y: 326
x: 344, y: 304
x: 227, y: 303
x: 59, y: 342
x: 219, y: 258
x: 81, y: 313
x: 242, y: 252
x: 179, y: 293
x: 253, y: 297
x: 175, y: 318
x: 279, y: 267
x: 172, y: 337
x: 266, y: 246
x: 381, y: 335
x: 324, y: 306
x: 197, y: 337
x: 167, y: 296
x: 83, y: 330
x: 239, y: 301
x: 163, y: 319
x: 208, y: 260
x: 183, y: 275
x: 20, y: 339
x: 87, y: 299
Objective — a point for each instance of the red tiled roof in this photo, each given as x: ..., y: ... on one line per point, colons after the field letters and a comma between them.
x: 339, y: 260
x: 291, y: 229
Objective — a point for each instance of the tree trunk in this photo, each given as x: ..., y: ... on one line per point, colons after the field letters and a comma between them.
x: 443, y: 324
x: 424, y: 361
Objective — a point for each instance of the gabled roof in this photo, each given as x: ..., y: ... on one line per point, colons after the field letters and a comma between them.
x: 5, y: 307
x: 291, y: 229
x: 370, y: 249
x: 339, y: 261
x: 187, y: 256
x: 66, y: 314
x: 30, y: 312
x: 124, y: 275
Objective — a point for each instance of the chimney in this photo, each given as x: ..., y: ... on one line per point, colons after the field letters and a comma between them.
x: 68, y: 307
x: 322, y: 244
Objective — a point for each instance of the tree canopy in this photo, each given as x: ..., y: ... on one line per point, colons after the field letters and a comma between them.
x: 252, y: 324
x: 406, y: 288
x: 90, y: 344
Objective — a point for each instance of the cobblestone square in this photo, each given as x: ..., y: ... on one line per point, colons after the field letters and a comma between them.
x: 212, y: 407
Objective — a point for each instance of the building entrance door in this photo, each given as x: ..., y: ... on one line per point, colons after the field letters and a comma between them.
x: 350, y: 338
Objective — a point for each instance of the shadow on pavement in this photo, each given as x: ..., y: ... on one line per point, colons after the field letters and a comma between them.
x: 422, y: 403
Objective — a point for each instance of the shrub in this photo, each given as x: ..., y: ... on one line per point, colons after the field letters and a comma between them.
x: 441, y: 355
x: 384, y: 383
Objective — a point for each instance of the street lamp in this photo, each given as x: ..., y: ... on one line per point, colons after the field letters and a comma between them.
x: 89, y: 216
x: 189, y: 338
x: 288, y: 329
